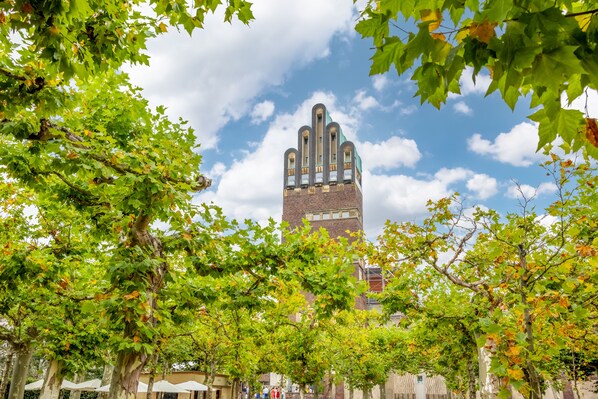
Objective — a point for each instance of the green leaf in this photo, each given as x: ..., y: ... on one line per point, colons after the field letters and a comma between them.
x: 551, y: 68
x: 565, y: 123
x: 497, y: 10
x: 386, y: 55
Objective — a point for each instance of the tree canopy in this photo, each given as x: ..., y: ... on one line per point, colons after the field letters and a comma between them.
x: 543, y: 50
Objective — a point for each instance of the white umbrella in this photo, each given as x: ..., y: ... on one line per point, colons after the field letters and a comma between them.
x: 165, y: 386
x: 66, y: 384
x: 37, y: 385
x: 192, y: 386
x: 140, y: 388
x: 34, y: 386
x: 90, y: 385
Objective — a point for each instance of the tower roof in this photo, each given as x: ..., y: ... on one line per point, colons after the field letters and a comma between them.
x: 343, y: 138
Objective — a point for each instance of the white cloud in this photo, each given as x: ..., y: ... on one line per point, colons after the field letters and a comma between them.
x: 252, y: 186
x: 483, y: 186
x: 262, y: 111
x: 516, y: 147
x: 453, y: 175
x: 365, y: 102
x: 408, y: 110
x: 547, y: 220
x: 401, y: 197
x: 380, y: 82
x: 391, y: 153
x: 462, y: 108
x: 529, y: 192
x: 212, y: 77
x: 217, y: 170
x: 468, y: 86
x: 587, y: 101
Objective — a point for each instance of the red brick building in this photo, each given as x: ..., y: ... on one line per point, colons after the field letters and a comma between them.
x: 322, y: 181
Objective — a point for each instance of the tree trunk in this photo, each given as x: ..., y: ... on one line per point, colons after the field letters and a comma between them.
x: 129, y: 365
x: 236, y: 391
x: 212, y: 378
x: 19, y: 373
x: 328, y: 388
x: 6, y: 373
x: 489, y: 386
x: 106, y: 379
x: 52, y: 380
x: 76, y: 394
x: 350, y: 393
x: 471, y: 380
x: 530, y: 370
x: 382, y: 388
x: 301, y: 391
x: 125, y: 377
x: 152, y: 376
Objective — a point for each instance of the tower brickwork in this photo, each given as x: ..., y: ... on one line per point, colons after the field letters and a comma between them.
x: 322, y: 182
x: 322, y: 178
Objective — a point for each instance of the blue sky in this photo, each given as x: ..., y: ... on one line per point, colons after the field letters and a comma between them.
x: 247, y: 90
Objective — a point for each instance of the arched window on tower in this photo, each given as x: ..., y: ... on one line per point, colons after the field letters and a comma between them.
x: 348, y: 164
x: 291, y: 170
x: 319, y: 137
x: 305, y: 159
x: 332, y: 156
x: 305, y: 149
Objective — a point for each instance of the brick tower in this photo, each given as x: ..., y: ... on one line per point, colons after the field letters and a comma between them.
x: 322, y: 178
x: 322, y: 183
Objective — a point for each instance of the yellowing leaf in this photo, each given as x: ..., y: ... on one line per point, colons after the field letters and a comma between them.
x: 482, y: 32
x: 163, y: 27
x: 585, y: 250
x: 592, y: 131
x: 564, y: 301
x: 132, y: 295
x: 439, y: 36
x: 516, y: 374
x: 101, y: 297
x: 462, y: 34
x: 584, y: 20
x: 513, y: 351
x: 432, y: 16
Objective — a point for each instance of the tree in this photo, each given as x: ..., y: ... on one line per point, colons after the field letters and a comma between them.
x: 59, y: 41
x: 439, y: 326
x: 71, y: 122
x: 531, y: 284
x: 49, y: 274
x: 306, y: 306
x: 544, y: 49
x: 363, y: 352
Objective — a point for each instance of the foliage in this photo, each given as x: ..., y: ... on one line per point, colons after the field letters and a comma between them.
x: 364, y: 351
x: 531, y: 285
x: 44, y: 44
x: 544, y: 49
x: 305, y: 313
x: 49, y: 276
